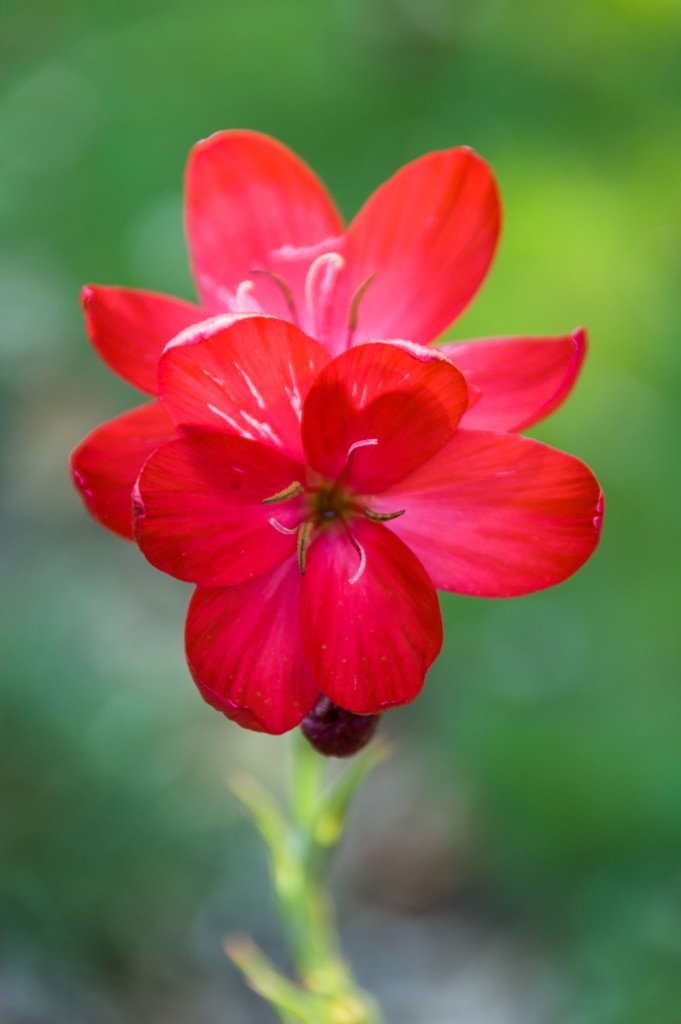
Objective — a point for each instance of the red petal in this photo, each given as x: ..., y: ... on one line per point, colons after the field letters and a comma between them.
x: 106, y: 464
x: 130, y: 328
x: 369, y: 643
x: 250, y: 379
x: 520, y: 380
x: 405, y: 397
x: 199, y: 514
x: 245, y: 653
x: 428, y: 234
x: 498, y: 515
x: 250, y: 201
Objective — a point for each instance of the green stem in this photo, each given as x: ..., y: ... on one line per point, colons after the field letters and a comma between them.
x: 299, y: 852
x: 305, y: 905
x: 307, y: 777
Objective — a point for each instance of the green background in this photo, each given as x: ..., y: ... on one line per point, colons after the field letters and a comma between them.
x: 534, y: 797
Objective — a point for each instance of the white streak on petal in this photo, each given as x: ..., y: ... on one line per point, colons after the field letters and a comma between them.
x: 232, y: 423
x: 216, y: 380
x: 308, y: 252
x: 251, y: 387
x: 294, y: 394
x: 264, y: 429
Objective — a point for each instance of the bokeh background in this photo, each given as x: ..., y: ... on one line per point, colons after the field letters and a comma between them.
x: 518, y: 859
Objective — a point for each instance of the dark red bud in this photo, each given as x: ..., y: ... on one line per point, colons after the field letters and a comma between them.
x: 334, y: 732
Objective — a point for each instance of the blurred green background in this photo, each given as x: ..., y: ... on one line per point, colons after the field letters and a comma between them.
x: 520, y: 857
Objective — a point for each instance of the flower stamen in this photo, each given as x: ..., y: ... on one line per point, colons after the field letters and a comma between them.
x: 304, y: 537
x: 281, y: 283
x: 382, y: 517
x: 362, y: 559
x: 288, y: 530
x: 366, y: 443
x: 361, y: 444
x: 354, y: 306
x: 292, y: 491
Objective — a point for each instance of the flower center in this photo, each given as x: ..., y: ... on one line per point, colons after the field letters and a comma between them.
x: 327, y: 505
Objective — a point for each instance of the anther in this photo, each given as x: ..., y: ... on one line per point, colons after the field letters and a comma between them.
x: 382, y: 517
x: 292, y: 491
x: 304, y: 538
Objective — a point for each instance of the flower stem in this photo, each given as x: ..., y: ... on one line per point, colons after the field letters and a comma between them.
x: 299, y: 851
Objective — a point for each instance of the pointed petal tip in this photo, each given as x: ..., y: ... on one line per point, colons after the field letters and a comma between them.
x: 580, y: 341
x: 138, y: 511
x: 89, y: 498
x: 514, y: 382
x: 106, y: 463
x: 429, y: 234
x: 527, y: 515
x: 238, y: 135
x: 128, y: 328
x: 92, y: 502
x: 248, y: 196
x: 599, y: 514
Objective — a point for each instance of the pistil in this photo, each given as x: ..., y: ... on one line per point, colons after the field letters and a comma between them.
x: 320, y: 285
x: 320, y: 288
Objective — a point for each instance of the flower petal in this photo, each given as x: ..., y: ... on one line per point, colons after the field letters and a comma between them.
x: 106, y: 464
x: 199, y: 512
x: 405, y: 399
x: 245, y: 653
x: 369, y: 640
x: 249, y: 378
x: 520, y: 380
x: 498, y: 515
x: 250, y: 202
x: 130, y: 328
x: 428, y: 235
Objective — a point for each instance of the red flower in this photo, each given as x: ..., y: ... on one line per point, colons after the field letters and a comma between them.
x: 319, y: 502
x: 265, y: 236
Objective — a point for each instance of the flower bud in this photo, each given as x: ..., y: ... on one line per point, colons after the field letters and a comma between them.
x: 334, y: 732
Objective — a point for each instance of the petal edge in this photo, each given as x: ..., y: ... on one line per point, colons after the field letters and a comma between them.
x: 520, y: 381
